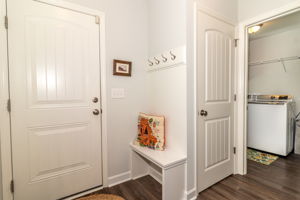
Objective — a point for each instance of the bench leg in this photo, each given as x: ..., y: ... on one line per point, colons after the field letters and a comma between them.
x: 174, y: 183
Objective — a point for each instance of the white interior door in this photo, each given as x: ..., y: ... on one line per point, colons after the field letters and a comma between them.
x: 54, y: 76
x: 215, y: 65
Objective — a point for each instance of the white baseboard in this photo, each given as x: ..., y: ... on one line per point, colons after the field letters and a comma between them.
x: 191, y: 194
x: 140, y: 176
x: 155, y: 174
x: 118, y: 179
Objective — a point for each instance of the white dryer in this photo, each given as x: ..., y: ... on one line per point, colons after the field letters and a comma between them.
x: 271, y: 123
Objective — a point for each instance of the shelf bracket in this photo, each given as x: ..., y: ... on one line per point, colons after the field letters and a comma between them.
x: 283, y: 65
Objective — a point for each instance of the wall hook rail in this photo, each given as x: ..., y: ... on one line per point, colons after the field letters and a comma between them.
x: 168, y: 59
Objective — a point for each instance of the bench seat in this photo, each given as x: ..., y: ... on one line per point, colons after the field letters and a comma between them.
x: 164, y: 159
x: 168, y: 167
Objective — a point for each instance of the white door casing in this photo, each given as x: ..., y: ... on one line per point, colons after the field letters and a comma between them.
x: 215, y: 81
x: 54, y: 75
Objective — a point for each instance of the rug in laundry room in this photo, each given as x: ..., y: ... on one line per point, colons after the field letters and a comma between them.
x: 260, y: 157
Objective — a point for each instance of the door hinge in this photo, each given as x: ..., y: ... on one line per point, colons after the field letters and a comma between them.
x: 235, y: 97
x: 6, y: 22
x: 97, y: 19
x: 234, y: 150
x: 8, y: 105
x: 236, y: 42
x: 12, y: 186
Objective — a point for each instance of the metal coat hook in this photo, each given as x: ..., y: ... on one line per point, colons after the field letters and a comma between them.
x: 173, y: 56
x: 150, y: 63
x: 165, y: 59
x: 156, y: 61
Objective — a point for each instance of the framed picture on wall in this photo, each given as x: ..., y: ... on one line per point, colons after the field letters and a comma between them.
x: 122, y: 68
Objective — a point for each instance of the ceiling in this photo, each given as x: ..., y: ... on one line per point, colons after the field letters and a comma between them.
x: 278, y: 25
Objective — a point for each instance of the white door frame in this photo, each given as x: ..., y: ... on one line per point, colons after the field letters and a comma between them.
x: 218, y: 16
x: 242, y: 78
x: 5, y: 143
x: 5, y: 136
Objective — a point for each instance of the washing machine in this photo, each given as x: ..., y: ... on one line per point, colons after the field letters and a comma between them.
x: 271, y: 123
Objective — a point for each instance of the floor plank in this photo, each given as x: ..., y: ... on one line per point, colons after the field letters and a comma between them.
x: 278, y: 181
x: 145, y: 188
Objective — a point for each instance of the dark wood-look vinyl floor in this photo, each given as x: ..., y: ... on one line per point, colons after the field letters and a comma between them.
x: 278, y: 181
x: 145, y: 188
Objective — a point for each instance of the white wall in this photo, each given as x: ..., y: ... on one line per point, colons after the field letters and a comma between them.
x: 271, y: 78
x: 227, y: 9
x: 167, y: 30
x: 167, y: 19
x: 126, y: 38
x: 167, y: 88
x: 248, y: 9
x: 167, y: 91
x: 136, y: 29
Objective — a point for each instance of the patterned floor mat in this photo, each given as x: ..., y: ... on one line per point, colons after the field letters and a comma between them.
x: 260, y: 157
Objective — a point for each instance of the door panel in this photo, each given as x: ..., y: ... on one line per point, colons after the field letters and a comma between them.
x: 48, y: 162
x: 56, y: 51
x: 54, y: 76
x: 218, y: 50
x: 215, y: 66
x: 217, y: 142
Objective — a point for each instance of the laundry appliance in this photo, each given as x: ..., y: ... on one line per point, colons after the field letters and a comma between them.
x: 271, y: 123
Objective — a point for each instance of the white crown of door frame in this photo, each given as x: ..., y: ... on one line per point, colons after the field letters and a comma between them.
x: 5, y: 140
x: 242, y: 80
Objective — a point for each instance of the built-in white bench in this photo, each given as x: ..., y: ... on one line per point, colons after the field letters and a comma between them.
x: 167, y: 167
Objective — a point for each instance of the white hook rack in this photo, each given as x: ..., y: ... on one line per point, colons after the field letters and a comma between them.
x: 167, y: 59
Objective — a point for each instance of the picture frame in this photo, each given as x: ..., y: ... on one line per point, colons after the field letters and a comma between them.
x: 122, y: 68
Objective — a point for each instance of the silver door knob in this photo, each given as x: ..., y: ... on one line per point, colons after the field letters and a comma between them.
x: 96, y: 112
x: 203, y: 113
x: 95, y: 99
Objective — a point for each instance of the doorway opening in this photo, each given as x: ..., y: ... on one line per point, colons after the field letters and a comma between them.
x: 273, y: 103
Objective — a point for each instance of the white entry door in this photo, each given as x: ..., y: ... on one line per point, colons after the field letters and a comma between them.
x: 215, y: 65
x: 55, y: 100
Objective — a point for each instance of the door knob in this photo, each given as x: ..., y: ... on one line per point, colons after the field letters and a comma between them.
x: 95, y: 99
x: 96, y: 112
x: 203, y: 113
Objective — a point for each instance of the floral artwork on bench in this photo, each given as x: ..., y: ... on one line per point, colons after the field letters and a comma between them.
x: 151, y: 131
